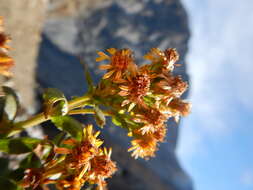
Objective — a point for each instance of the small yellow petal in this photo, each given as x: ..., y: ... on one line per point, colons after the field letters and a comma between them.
x: 123, y: 93
x: 125, y: 88
x: 102, y: 56
x: 96, y: 134
x: 125, y: 102
x: 112, y: 51
x: 131, y: 106
x: 98, y: 59
x: 99, y: 143
x: 109, y: 74
x: 117, y: 75
x: 132, y: 148
x: 62, y: 151
x: 148, y: 57
x: 84, y: 170
x: 105, y: 67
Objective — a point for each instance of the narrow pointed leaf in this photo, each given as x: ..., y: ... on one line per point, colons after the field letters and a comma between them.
x: 18, y: 145
x: 88, y: 77
x: 31, y: 161
x: 119, y: 121
x: 17, y: 175
x: 8, y: 184
x: 58, y: 138
x: 99, y: 117
x: 69, y: 125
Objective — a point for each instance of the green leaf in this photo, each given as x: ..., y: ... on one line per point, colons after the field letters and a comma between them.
x: 149, y: 100
x: 99, y: 117
x: 8, y: 184
x: 18, y: 145
x: 69, y: 125
x: 116, y: 121
x: 9, y: 104
x: 17, y: 174
x: 55, y: 103
x: 31, y: 161
x: 88, y: 77
x: 119, y: 121
x: 58, y: 138
x: 4, y: 163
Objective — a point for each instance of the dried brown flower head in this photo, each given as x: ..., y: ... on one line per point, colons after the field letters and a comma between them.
x: 102, y: 167
x: 179, y: 106
x: 151, y: 119
x: 167, y: 58
x: 136, y: 87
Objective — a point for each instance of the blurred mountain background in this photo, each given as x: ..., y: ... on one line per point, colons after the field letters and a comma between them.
x: 50, y: 36
x: 215, y: 141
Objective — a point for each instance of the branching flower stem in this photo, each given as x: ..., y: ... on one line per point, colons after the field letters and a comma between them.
x: 40, y: 118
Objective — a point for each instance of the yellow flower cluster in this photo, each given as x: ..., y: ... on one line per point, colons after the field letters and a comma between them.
x: 75, y: 164
x: 148, y: 95
x: 140, y: 99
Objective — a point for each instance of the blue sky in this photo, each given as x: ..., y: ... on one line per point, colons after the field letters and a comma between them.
x: 216, y: 140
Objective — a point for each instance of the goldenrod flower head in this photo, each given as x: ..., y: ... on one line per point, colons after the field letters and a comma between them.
x: 136, y: 87
x: 166, y: 58
x: 143, y: 146
x: 102, y: 165
x: 84, y: 161
x: 152, y: 87
x: 151, y: 118
x: 119, y: 62
x: 83, y: 151
x: 94, y: 162
x: 160, y: 133
x: 180, y: 107
x: 170, y: 86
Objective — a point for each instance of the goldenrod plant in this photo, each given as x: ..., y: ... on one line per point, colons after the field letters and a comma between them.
x: 139, y: 99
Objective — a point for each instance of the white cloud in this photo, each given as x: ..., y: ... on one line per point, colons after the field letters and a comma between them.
x: 193, y: 146
x: 220, y: 66
x: 246, y: 178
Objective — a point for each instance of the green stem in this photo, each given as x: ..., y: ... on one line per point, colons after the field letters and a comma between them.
x: 87, y: 111
x: 40, y: 118
x: 77, y: 102
x: 22, y: 125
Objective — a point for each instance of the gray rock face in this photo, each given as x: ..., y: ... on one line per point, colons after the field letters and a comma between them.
x: 23, y: 21
x: 139, y: 25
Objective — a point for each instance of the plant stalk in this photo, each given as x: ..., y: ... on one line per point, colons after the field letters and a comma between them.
x: 40, y: 118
